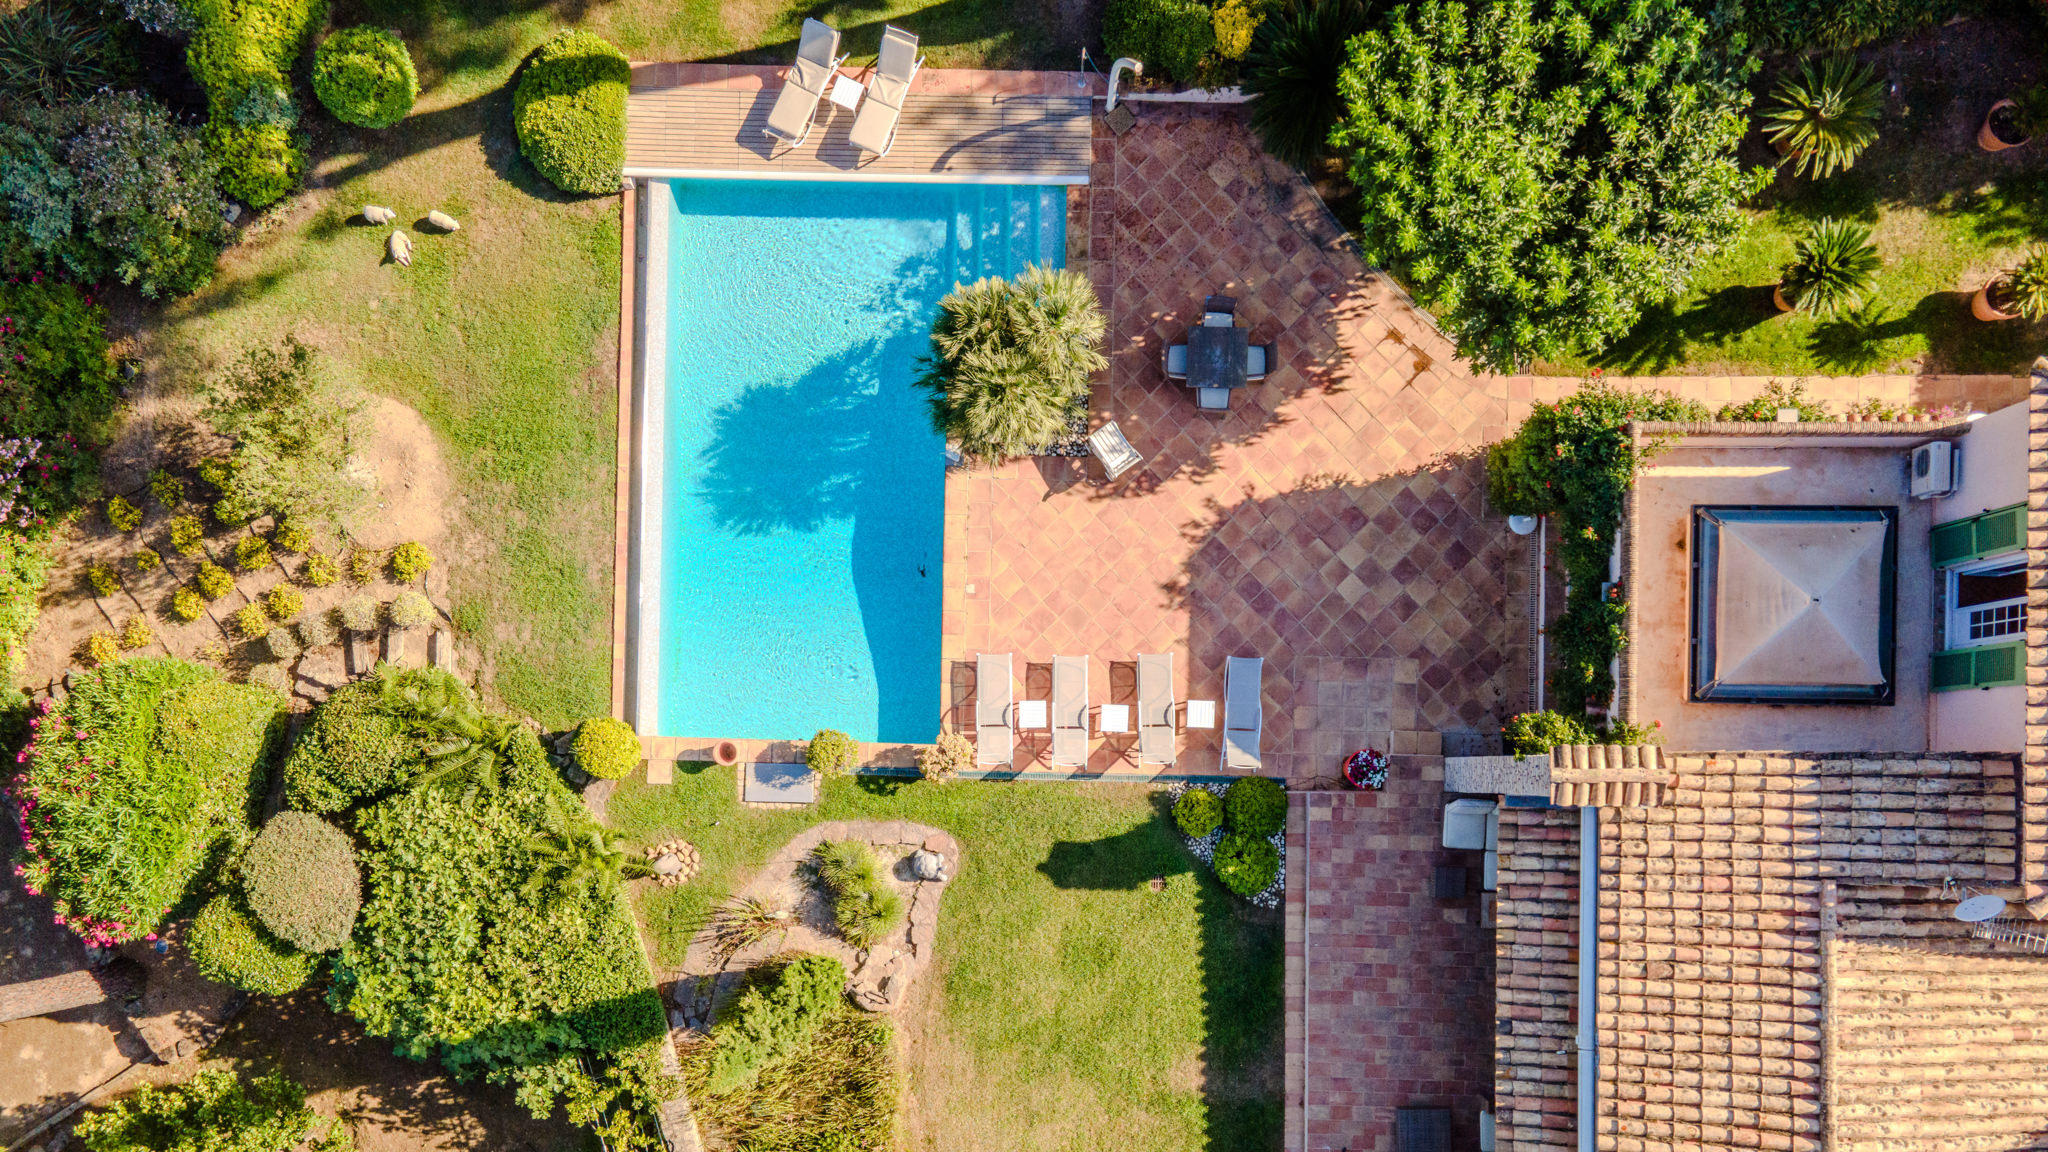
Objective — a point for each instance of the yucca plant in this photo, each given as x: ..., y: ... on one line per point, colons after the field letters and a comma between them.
x: 2024, y: 289
x: 1832, y: 269
x: 1826, y: 115
x: 1011, y: 361
x: 1290, y: 76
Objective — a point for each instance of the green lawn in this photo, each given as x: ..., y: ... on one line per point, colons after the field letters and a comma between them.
x: 504, y: 335
x: 1945, y: 216
x: 1079, y: 1009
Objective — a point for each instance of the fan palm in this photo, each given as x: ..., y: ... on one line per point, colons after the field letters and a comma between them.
x: 1290, y: 76
x: 574, y: 858
x: 1826, y: 115
x: 1011, y: 361
x: 1833, y: 269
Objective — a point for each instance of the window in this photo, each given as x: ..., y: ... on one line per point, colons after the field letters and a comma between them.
x: 1987, y: 602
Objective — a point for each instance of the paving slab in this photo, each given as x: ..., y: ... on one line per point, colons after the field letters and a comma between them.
x: 780, y: 784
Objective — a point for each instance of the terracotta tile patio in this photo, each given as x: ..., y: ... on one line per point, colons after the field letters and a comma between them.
x: 1332, y: 523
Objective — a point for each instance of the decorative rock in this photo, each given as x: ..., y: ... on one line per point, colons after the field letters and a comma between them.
x: 928, y: 866
x: 400, y: 246
x: 443, y: 221
x: 674, y: 861
x: 378, y: 214
x: 676, y: 1019
x: 667, y: 864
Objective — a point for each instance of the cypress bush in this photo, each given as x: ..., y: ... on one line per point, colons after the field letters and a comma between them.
x: 570, y: 112
x: 1198, y: 812
x: 1246, y: 864
x: 365, y: 77
x: 773, y: 1017
x: 351, y: 752
x: 606, y: 748
x: 300, y: 877
x: 1255, y: 806
x: 230, y: 947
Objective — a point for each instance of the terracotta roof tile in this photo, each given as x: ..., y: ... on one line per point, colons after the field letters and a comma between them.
x: 2033, y: 812
x: 1536, y: 980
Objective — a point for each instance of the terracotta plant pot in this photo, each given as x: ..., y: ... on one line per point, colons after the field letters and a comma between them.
x: 727, y: 753
x: 1987, y: 139
x: 1983, y: 309
x: 1778, y: 298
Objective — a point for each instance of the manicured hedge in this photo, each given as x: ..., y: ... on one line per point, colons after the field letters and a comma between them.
x: 138, y: 786
x: 300, y: 877
x: 1255, y: 806
x: 1170, y: 36
x: 1246, y: 864
x: 1198, y: 812
x: 242, y: 54
x: 570, y: 112
x: 230, y: 947
x: 606, y: 748
x: 365, y: 77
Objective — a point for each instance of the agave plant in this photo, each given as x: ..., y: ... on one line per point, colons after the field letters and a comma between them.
x: 1826, y: 115
x: 1833, y: 269
x: 1011, y: 361
x: 1290, y: 76
x: 2024, y: 289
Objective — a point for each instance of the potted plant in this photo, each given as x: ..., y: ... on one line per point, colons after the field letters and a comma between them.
x: 2019, y: 291
x: 1833, y: 269
x: 2011, y: 123
x: 1826, y: 115
x: 1366, y: 769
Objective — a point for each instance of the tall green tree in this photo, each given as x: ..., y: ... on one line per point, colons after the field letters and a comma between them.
x: 294, y: 431
x: 1537, y: 169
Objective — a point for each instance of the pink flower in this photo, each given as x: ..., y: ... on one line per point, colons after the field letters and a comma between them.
x: 151, y: 936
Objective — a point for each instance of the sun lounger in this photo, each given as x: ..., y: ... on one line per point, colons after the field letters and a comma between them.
x: 1244, y: 713
x: 1069, y: 711
x: 995, y: 733
x: 1155, y: 709
x: 796, y: 108
x: 874, y: 130
x: 1176, y: 361
x: 1108, y: 445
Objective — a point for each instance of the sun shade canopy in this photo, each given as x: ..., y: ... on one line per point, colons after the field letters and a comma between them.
x: 1793, y: 604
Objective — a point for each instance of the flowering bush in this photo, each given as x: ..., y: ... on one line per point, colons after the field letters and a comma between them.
x: 187, y: 605
x: 1366, y: 769
x: 214, y: 581
x: 251, y: 621
x: 319, y: 571
x: 251, y: 553
x: 56, y: 397
x: 187, y: 534
x: 124, y: 516
x: 17, y: 462
x: 409, y: 562
x: 134, y: 789
x: 284, y: 603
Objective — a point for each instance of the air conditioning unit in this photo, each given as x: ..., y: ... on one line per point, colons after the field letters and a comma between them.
x: 1935, y: 470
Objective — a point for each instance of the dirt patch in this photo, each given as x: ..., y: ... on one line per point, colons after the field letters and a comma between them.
x: 412, y: 481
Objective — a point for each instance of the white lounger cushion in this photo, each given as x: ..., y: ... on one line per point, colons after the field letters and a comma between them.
x: 995, y: 737
x: 815, y: 64
x: 1155, y: 709
x: 1244, y: 713
x: 1069, y: 711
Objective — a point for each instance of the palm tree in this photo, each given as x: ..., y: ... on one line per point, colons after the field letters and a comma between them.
x: 1833, y: 269
x: 1826, y: 116
x: 575, y: 858
x: 1291, y: 72
x: 465, y: 745
x: 1011, y: 361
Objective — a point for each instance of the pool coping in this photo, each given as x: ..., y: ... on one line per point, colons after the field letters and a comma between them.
x: 622, y: 491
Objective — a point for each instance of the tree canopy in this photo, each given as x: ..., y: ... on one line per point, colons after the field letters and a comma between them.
x: 1537, y: 169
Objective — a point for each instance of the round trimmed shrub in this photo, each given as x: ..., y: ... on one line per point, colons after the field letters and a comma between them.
x: 292, y: 536
x: 101, y: 648
x: 137, y: 633
x: 123, y: 515
x: 410, y: 610
x: 214, y: 581
x: 358, y: 614
x: 946, y: 759
x: 259, y: 162
x: 606, y: 748
x: 284, y: 602
x: 187, y: 605
x: 251, y: 553
x: 187, y: 533
x: 570, y: 112
x: 228, y: 946
x: 1246, y: 864
x: 832, y: 752
x: 300, y: 878
x: 1255, y: 806
x: 283, y: 644
x: 319, y: 571
x: 104, y: 580
x: 148, y: 559
x: 365, y: 77
x: 1198, y: 812
x: 409, y: 562
x: 318, y: 630
x: 351, y: 751
x: 251, y: 622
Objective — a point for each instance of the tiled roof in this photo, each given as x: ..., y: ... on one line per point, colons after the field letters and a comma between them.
x: 2034, y: 765
x: 1715, y: 914
x: 1936, y: 1052
x: 1536, y: 979
x: 1608, y: 776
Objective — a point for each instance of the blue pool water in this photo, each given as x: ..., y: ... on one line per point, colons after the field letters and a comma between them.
x: 804, y: 488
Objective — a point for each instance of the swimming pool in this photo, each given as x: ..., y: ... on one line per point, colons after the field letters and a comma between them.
x: 792, y: 539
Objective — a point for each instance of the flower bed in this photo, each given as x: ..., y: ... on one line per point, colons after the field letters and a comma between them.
x: 1204, y: 847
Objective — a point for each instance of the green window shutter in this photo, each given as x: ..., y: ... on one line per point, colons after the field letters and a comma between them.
x: 1953, y: 669
x: 1994, y: 532
x: 1953, y: 542
x: 2002, y: 531
x: 1990, y: 666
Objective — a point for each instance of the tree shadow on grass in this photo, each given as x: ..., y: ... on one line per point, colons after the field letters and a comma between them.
x: 1242, y: 963
x: 1664, y: 335
x: 1867, y: 339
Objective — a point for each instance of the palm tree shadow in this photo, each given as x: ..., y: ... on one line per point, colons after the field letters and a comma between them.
x: 1663, y: 335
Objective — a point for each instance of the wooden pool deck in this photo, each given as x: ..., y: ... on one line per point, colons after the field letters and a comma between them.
x: 959, y: 126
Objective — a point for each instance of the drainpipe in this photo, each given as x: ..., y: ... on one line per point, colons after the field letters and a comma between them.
x: 1589, y: 967
x: 1122, y: 62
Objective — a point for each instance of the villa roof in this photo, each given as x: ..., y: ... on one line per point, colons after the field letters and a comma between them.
x: 1722, y: 915
x: 2033, y: 844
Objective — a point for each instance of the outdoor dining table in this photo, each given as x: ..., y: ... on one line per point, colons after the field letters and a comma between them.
x: 1216, y: 357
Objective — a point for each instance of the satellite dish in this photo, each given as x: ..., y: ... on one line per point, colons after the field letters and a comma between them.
x: 1978, y: 909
